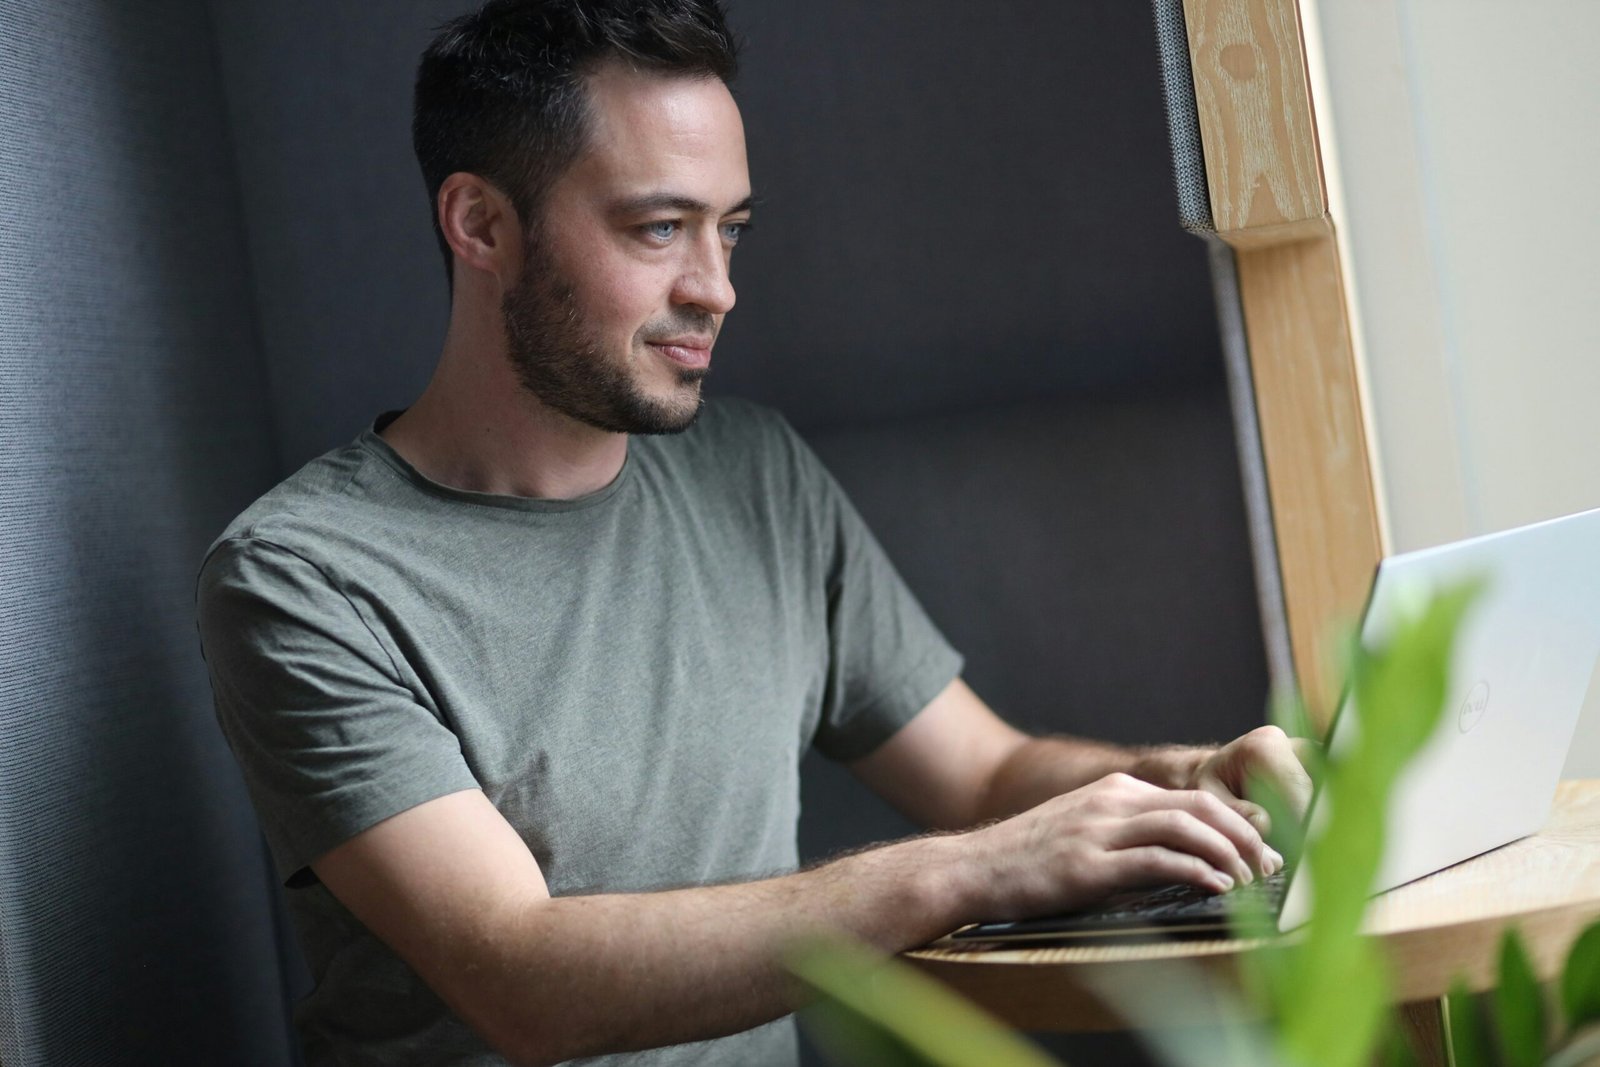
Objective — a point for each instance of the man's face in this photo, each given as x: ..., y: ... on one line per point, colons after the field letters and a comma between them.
x: 625, y: 282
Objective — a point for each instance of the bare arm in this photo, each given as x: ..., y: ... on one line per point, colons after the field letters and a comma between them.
x: 452, y: 889
x: 1048, y: 766
x: 958, y: 764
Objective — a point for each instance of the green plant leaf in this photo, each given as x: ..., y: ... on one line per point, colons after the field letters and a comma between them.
x: 1394, y: 1050
x: 1287, y: 709
x: 849, y: 1038
x: 1468, y: 1046
x: 1519, y: 1006
x: 1351, y: 988
x: 1580, y: 979
x: 870, y: 1006
x: 1287, y: 833
x: 1331, y: 994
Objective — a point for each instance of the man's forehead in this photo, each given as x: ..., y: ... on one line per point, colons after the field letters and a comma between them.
x: 652, y: 133
x: 622, y: 92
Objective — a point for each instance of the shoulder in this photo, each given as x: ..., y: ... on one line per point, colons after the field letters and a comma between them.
x: 298, y: 513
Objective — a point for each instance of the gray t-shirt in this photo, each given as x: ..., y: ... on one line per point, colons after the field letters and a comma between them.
x: 631, y: 677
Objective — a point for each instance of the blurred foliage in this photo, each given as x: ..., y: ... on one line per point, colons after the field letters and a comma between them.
x: 1327, y: 990
x: 871, y: 1012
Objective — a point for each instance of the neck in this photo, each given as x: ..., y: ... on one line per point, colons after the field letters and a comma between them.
x: 476, y: 428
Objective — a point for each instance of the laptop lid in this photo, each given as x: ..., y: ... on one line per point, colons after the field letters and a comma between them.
x: 1523, y: 662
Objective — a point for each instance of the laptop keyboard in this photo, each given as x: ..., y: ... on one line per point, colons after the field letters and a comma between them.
x: 1174, y: 907
x: 1185, y: 902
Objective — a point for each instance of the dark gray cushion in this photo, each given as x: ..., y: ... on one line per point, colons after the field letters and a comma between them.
x: 1090, y: 560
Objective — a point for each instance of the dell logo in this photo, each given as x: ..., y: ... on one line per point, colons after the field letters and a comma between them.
x: 1474, y: 706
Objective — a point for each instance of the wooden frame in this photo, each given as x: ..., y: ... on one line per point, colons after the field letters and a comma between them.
x: 1269, y: 202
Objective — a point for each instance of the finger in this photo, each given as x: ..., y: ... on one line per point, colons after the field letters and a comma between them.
x: 1221, y: 813
x: 1131, y: 868
x: 1253, y: 813
x: 1180, y: 831
x: 1133, y: 797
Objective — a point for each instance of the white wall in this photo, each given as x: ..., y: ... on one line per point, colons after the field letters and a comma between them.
x: 1462, y: 144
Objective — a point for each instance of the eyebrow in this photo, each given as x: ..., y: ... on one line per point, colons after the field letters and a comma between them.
x: 638, y: 205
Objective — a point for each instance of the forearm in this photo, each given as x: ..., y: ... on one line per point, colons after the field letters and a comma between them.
x: 583, y: 975
x: 1046, y: 767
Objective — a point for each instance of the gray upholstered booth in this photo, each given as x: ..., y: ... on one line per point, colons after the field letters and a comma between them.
x: 967, y: 290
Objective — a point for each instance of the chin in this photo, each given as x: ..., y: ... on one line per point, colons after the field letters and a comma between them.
x: 665, y: 409
x: 676, y: 415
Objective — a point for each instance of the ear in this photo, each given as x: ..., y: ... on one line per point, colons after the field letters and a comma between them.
x: 481, y: 227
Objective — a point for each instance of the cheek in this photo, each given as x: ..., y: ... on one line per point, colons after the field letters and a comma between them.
x: 626, y: 296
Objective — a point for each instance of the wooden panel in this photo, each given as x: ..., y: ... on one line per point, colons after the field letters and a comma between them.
x: 1423, y: 1023
x: 1254, y: 105
x: 1269, y: 202
x: 1314, y: 444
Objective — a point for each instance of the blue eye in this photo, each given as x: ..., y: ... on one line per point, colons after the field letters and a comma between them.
x: 662, y: 230
x: 731, y: 232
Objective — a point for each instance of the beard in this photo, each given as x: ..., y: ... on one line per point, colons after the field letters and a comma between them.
x: 563, y: 362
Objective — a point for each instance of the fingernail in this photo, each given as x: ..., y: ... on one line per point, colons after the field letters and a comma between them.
x: 1222, y: 882
x: 1275, y: 858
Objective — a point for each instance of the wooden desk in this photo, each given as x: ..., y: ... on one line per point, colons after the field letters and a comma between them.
x: 1432, y: 930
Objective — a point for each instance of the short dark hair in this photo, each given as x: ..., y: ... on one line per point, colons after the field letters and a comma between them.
x: 500, y: 91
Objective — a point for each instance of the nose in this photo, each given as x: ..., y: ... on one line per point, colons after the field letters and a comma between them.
x: 705, y: 282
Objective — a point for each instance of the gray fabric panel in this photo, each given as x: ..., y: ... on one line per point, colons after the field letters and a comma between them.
x: 963, y: 204
x: 1090, y: 561
x: 135, y: 924
x: 1183, y: 121
x: 1194, y: 214
x: 1252, y: 466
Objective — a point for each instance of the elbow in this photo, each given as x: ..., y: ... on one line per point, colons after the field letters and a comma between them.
x: 995, y: 797
x: 517, y: 1029
x: 530, y: 1037
x: 525, y: 1045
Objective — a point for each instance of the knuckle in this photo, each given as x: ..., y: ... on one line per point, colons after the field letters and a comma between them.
x: 1256, y: 747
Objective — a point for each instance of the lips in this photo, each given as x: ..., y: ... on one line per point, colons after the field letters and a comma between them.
x: 688, y: 351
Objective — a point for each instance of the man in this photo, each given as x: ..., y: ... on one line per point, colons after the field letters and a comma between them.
x: 520, y: 678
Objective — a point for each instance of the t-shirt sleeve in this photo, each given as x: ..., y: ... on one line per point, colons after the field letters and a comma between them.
x: 329, y: 739
x: 886, y: 658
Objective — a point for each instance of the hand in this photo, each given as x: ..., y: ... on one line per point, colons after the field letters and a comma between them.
x: 1268, y: 754
x: 1114, y: 834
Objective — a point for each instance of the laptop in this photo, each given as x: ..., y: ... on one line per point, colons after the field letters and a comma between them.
x: 1522, y: 666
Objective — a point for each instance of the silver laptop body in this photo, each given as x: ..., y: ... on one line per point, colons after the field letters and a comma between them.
x: 1522, y: 666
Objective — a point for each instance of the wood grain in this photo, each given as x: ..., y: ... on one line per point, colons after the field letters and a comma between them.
x: 1314, y: 446
x: 1254, y: 105
x: 1424, y: 1024
x: 1432, y: 930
